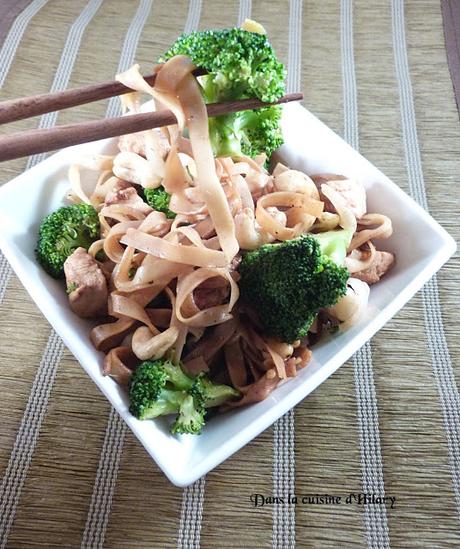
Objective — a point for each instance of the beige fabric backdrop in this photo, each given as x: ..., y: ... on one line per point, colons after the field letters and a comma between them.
x: 146, y: 509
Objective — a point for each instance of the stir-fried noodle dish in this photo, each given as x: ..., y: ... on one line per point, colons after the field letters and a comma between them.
x: 210, y: 274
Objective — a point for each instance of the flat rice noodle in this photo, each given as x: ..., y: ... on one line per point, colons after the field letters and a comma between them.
x: 241, y: 168
x: 244, y: 192
x: 189, y: 307
x: 156, y: 224
x: 182, y: 329
x: 183, y: 144
x: 176, y: 183
x: 111, y: 244
x: 148, y: 346
x: 213, y: 341
x: 96, y: 163
x: 195, y: 366
x: 169, y: 79
x: 180, y: 220
x: 121, y: 212
x: 124, y: 307
x: 234, y: 360
x: 158, y: 271
x: 347, y: 217
x: 277, y: 361
x: 132, y: 78
x: 175, y: 180
x: 120, y: 275
x: 250, y: 351
x: 130, y: 102
x: 205, y: 228
x: 328, y: 222
x: 195, y: 112
x: 213, y: 315
x: 257, y: 391
x: 285, y: 350
x: 158, y: 247
x: 253, y: 339
x: 105, y: 183
x: 268, y: 223
x: 194, y: 195
x: 151, y: 270
x: 212, y: 243
x: 191, y: 234
x: 279, y: 169
x: 152, y: 151
x: 159, y: 317
x: 181, y: 204
x: 106, y: 336
x: 252, y: 163
x: 384, y: 229
x: 255, y: 371
x: 119, y: 364
x: 297, y: 216
x: 96, y: 247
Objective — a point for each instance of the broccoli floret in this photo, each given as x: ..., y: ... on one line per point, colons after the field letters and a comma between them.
x: 287, y: 284
x: 212, y: 394
x: 161, y: 388
x: 240, y: 64
x: 159, y: 199
x: 62, y: 232
x: 334, y: 244
x: 190, y: 419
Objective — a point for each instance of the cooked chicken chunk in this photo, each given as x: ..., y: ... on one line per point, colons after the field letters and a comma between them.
x: 351, y: 190
x: 86, y: 285
x: 382, y: 263
x: 137, y: 142
x: 127, y: 197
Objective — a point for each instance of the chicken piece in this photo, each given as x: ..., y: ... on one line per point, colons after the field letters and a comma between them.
x: 351, y: 190
x: 136, y: 169
x: 137, y: 142
x: 107, y: 187
x: 86, y: 285
x: 297, y: 182
x: 127, y: 197
x: 382, y: 263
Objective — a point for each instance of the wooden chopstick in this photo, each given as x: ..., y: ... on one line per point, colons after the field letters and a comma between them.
x: 38, y: 141
x: 25, y: 107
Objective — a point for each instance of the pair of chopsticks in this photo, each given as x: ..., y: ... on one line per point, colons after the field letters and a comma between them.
x: 31, y: 142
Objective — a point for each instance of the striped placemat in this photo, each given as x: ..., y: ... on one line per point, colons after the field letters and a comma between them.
x: 382, y: 434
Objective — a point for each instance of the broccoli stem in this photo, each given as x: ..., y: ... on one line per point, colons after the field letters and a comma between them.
x: 169, y: 402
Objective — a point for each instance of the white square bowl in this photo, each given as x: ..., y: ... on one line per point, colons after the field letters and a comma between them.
x: 421, y: 246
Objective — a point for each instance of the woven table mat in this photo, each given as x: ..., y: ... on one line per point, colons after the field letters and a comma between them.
x: 386, y: 424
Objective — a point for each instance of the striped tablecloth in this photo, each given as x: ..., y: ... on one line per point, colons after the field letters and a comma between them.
x: 386, y: 424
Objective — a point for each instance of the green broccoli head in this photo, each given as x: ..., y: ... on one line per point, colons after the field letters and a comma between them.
x: 158, y: 199
x: 246, y: 132
x: 190, y: 420
x: 240, y: 65
x: 287, y: 284
x: 212, y: 394
x: 160, y: 388
x: 334, y: 244
x: 148, y: 394
x: 62, y: 232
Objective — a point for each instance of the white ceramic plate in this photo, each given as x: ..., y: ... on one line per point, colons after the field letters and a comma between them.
x: 420, y: 244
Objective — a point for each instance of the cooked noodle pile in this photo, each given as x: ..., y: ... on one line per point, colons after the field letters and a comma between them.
x: 173, y: 283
